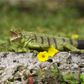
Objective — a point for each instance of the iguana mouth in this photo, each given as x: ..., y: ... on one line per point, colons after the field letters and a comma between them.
x: 15, y: 38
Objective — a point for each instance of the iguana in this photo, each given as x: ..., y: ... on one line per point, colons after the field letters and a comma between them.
x: 36, y: 41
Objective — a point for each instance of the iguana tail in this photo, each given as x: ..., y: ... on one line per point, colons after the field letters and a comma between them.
x: 80, y: 44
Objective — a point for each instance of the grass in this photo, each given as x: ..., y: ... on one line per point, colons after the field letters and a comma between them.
x: 65, y: 22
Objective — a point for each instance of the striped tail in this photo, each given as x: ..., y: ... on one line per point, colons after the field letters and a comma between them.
x: 80, y: 44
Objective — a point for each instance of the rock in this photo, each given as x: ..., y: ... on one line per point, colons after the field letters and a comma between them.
x: 9, y: 62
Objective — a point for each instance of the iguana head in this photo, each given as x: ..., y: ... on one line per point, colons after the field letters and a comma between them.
x: 15, y: 35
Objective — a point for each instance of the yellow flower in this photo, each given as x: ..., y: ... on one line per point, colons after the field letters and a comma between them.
x: 75, y: 36
x: 52, y: 51
x: 43, y: 56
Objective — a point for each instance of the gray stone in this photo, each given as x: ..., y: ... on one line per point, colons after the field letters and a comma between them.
x: 10, y: 61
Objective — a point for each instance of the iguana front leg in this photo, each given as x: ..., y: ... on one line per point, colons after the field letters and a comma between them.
x: 37, y: 46
x: 72, y: 48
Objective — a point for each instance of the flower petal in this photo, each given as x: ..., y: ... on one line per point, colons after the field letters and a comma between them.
x: 52, y: 51
x: 43, y: 56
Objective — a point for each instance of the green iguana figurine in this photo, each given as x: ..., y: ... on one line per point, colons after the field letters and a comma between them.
x: 34, y: 41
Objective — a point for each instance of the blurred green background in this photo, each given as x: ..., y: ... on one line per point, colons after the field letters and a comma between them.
x: 61, y: 17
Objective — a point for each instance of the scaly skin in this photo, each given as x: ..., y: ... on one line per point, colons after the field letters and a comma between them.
x: 34, y: 41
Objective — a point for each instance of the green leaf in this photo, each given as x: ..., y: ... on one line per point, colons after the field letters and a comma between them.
x: 82, y: 77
